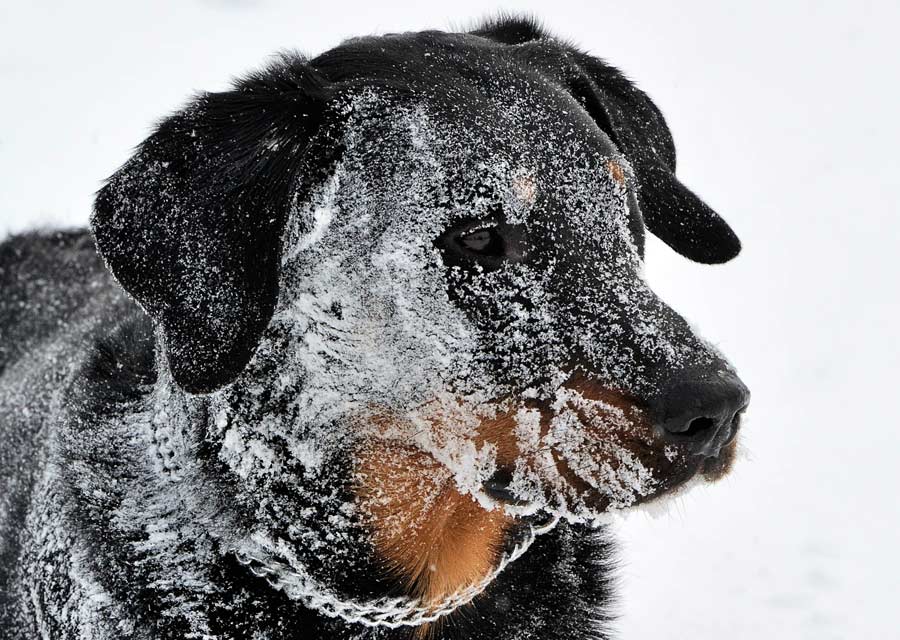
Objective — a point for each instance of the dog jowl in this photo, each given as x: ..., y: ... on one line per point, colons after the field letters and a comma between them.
x: 393, y: 355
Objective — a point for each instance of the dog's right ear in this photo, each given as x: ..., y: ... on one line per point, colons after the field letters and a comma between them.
x: 672, y: 212
x: 191, y: 225
x: 626, y: 114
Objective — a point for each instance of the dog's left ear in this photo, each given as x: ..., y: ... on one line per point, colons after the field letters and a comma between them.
x: 671, y: 211
x: 191, y: 225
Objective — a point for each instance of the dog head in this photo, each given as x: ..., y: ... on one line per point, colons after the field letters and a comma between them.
x: 405, y: 277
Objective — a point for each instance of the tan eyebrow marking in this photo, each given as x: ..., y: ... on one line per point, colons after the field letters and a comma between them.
x: 525, y: 188
x: 616, y: 170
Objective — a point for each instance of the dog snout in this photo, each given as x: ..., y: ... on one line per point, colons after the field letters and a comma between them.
x: 701, y: 410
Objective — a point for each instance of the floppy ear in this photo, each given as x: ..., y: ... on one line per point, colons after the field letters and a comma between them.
x: 191, y: 225
x: 627, y: 115
x: 671, y: 211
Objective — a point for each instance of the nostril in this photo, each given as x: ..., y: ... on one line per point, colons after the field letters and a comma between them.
x: 699, y: 427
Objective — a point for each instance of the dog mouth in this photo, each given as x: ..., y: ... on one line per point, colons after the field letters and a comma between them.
x: 497, y: 487
x: 587, y: 453
x: 717, y: 466
x: 672, y: 465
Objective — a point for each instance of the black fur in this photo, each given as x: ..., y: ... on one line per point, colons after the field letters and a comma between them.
x: 191, y: 228
x: 207, y: 194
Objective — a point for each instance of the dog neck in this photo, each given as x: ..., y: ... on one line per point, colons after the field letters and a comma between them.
x: 259, y: 554
x: 173, y: 415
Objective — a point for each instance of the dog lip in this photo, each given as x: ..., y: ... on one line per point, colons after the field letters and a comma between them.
x: 497, y: 487
x: 541, y: 521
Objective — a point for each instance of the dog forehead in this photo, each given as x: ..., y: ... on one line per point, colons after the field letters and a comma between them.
x: 532, y: 154
x: 525, y: 117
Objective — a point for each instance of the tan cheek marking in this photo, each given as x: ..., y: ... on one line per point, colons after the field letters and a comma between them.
x: 501, y: 432
x: 430, y: 536
x: 615, y: 169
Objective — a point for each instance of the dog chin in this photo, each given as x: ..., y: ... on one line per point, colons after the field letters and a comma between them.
x: 706, y: 470
x: 595, y: 509
x: 701, y: 470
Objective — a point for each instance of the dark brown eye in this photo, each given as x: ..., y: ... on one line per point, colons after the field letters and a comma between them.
x: 485, y: 242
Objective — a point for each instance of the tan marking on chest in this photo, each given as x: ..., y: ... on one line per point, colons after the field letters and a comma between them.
x: 430, y: 536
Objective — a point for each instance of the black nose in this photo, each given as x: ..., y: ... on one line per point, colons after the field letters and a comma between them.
x: 701, y: 409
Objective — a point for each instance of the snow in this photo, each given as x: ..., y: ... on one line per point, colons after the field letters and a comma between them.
x: 784, y: 119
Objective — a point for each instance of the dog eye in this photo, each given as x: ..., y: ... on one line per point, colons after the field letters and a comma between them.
x: 484, y: 242
x: 487, y: 244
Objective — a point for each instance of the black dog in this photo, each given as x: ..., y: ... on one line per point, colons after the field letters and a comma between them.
x: 370, y: 356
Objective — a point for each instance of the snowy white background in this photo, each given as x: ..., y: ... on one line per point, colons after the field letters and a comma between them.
x: 785, y: 116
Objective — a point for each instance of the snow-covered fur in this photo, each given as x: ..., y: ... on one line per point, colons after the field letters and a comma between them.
x: 385, y: 361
